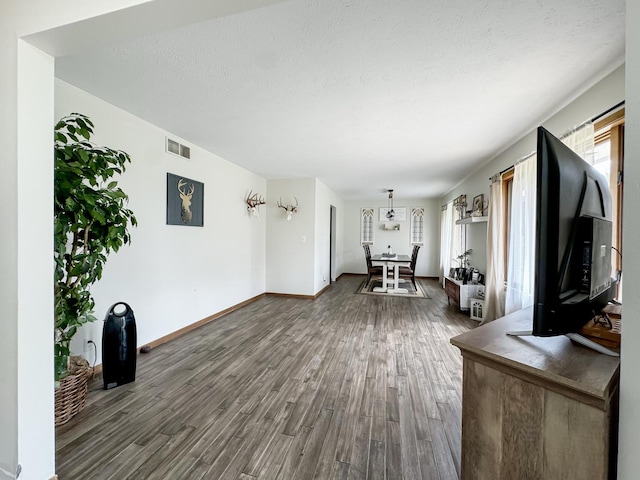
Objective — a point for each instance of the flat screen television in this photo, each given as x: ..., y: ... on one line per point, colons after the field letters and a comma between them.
x: 573, y: 242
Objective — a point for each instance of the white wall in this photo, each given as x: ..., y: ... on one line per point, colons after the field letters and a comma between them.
x: 602, y: 96
x: 35, y: 269
x: 9, y: 260
x: 628, y: 458
x: 400, y: 241
x: 291, y: 244
x: 325, y: 198
x: 172, y: 276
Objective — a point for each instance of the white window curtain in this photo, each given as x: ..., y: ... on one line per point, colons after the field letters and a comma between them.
x: 582, y: 141
x: 458, y: 237
x: 494, y: 280
x: 520, y: 266
x: 446, y: 220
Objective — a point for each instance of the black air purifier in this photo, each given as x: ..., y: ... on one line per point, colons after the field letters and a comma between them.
x: 119, y: 346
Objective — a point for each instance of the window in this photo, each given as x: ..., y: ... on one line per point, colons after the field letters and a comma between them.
x: 507, y: 189
x: 609, y: 160
x: 366, y: 226
x: 417, y: 226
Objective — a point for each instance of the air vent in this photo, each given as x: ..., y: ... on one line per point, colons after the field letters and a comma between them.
x: 177, y: 148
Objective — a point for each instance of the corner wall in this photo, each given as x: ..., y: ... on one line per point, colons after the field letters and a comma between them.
x: 291, y: 244
x: 298, y: 249
x: 35, y: 269
x: 9, y: 377
x: 172, y: 276
x: 628, y: 458
x: 325, y: 198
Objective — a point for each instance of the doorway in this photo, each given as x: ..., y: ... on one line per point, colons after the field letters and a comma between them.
x: 332, y: 244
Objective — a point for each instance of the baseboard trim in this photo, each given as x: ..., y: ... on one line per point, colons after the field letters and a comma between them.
x: 291, y: 295
x: 364, y: 275
x: 302, y: 297
x: 173, y: 335
x: 199, y: 323
x: 327, y: 287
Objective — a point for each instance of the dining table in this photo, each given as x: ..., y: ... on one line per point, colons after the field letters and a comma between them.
x: 391, y: 262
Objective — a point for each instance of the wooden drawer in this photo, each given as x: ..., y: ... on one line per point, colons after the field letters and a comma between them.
x: 452, y: 290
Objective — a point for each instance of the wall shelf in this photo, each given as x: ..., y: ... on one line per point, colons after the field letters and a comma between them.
x: 391, y: 226
x: 467, y: 220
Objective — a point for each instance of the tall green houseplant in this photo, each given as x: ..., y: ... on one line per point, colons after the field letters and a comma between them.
x: 91, y: 220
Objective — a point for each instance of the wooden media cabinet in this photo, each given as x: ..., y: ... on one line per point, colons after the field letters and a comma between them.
x: 461, y: 293
x: 536, y: 408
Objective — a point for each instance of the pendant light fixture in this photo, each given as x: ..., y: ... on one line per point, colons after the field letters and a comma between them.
x: 390, y: 212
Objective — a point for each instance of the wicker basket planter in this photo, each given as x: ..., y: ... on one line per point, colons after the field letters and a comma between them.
x: 71, y: 395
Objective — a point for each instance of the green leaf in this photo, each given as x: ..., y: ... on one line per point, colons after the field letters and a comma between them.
x: 89, y: 199
x: 97, y: 214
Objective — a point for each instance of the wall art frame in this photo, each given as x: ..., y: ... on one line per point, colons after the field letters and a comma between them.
x: 400, y: 214
x: 185, y: 201
x: 478, y: 205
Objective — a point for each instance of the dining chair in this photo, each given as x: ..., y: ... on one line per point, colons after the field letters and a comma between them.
x: 371, y: 270
x: 410, y: 271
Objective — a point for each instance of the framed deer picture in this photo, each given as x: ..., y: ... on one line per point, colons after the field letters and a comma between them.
x: 185, y: 201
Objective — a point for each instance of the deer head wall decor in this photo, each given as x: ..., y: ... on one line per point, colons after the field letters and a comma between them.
x: 253, y: 201
x: 290, y: 209
x: 185, y: 212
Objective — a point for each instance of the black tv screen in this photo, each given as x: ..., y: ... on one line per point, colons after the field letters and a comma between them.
x: 573, y: 240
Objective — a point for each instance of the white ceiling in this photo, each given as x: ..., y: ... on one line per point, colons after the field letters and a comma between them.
x: 363, y: 94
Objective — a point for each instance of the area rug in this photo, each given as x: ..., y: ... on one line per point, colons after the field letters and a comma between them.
x: 413, y: 292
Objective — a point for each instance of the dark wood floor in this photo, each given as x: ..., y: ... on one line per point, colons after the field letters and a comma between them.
x: 348, y: 386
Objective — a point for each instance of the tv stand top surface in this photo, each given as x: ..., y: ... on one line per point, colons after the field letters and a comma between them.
x: 574, y: 370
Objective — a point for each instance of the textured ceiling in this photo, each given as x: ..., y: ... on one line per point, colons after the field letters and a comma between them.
x: 363, y: 94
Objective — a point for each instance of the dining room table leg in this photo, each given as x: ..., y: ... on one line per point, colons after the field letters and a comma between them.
x: 396, y: 276
x: 385, y: 277
x: 385, y: 273
x: 396, y: 280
